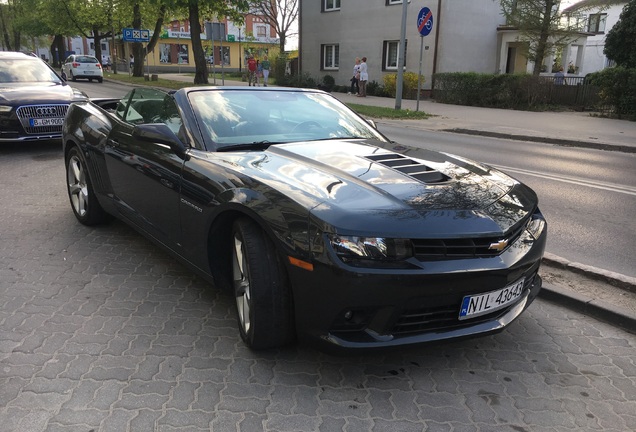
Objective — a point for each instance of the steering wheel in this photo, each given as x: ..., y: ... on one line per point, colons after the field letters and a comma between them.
x: 306, y: 124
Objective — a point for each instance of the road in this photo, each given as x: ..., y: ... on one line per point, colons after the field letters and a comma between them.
x: 588, y: 196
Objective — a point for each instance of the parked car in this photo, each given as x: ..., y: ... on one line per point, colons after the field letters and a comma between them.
x: 33, y: 99
x: 318, y: 224
x: 82, y: 66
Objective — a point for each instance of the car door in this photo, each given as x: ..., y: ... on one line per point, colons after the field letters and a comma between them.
x: 146, y: 176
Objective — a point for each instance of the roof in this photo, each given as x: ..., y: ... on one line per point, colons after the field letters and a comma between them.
x: 13, y: 55
x: 591, y: 4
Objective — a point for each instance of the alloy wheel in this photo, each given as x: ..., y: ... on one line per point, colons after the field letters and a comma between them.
x: 77, y: 186
x: 241, y: 284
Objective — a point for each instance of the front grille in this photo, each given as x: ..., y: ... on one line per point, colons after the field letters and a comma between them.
x: 29, y: 112
x: 427, y: 249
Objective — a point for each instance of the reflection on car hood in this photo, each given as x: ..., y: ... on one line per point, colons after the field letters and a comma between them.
x: 384, y: 181
x: 26, y: 93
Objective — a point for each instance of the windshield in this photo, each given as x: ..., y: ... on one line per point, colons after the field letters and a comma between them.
x: 26, y: 70
x: 238, y: 117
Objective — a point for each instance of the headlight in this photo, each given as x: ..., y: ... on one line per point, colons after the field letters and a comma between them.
x: 5, y: 108
x: 351, y: 249
x: 536, y: 225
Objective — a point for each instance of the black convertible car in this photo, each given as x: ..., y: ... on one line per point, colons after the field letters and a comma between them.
x: 319, y: 225
x: 33, y: 99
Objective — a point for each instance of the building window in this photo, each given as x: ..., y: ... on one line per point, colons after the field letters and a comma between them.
x: 330, y: 5
x: 596, y: 23
x: 390, y: 55
x: 261, y: 31
x: 394, y: 2
x: 330, y: 57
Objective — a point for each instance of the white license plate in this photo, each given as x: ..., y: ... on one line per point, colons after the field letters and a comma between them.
x: 88, y: 72
x: 46, y: 122
x: 476, y: 305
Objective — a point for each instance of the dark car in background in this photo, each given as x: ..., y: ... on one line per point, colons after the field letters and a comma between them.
x: 318, y: 224
x: 33, y: 99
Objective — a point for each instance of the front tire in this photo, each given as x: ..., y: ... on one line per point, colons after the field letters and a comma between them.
x: 261, y: 289
x: 80, y: 191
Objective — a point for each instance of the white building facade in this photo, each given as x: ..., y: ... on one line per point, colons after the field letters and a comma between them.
x: 596, y: 19
x: 467, y: 36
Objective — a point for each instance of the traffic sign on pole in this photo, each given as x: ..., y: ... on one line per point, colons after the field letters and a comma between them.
x: 135, y: 35
x: 425, y: 21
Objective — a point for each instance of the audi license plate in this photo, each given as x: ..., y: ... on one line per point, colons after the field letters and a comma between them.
x: 46, y: 122
x: 476, y: 305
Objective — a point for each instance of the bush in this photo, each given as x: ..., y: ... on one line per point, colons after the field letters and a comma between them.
x: 375, y: 89
x: 328, y: 83
x: 303, y: 80
x: 409, y: 84
x: 280, y: 64
x: 516, y: 91
x: 618, y: 89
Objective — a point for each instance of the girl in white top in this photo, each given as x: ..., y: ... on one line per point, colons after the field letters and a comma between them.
x: 364, y: 77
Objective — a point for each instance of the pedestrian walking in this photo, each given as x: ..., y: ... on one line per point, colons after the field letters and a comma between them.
x: 259, y: 72
x: 355, y: 88
x: 266, y: 67
x: 251, y: 70
x: 364, y: 77
x: 559, y: 77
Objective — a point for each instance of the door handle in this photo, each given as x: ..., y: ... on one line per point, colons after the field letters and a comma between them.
x: 113, y: 143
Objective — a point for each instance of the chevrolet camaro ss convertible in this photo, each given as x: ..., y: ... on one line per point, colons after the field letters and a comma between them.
x: 320, y: 226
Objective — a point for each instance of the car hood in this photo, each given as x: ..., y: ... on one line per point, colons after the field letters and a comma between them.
x: 356, y: 183
x: 33, y: 93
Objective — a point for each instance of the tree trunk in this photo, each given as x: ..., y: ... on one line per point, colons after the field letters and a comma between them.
x: 5, y: 32
x: 543, y: 37
x: 281, y: 43
x: 97, y: 40
x: 137, y: 47
x: 57, y: 51
x: 201, y: 68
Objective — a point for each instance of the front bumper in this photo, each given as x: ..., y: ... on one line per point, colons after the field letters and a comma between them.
x: 343, y: 307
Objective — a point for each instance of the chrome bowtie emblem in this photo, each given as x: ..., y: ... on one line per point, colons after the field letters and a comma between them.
x: 499, y: 246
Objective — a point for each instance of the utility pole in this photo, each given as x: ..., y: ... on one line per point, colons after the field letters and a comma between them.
x: 400, y: 59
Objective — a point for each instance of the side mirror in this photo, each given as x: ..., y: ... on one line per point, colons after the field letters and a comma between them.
x: 162, y: 134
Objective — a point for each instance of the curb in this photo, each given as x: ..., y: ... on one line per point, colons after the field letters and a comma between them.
x: 599, y: 309
x: 615, y: 279
x: 556, y: 141
x: 613, y: 314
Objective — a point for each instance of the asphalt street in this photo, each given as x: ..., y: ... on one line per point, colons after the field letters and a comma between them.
x: 102, y: 331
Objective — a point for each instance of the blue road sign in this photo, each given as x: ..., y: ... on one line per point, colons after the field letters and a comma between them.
x: 135, y: 35
x: 425, y: 21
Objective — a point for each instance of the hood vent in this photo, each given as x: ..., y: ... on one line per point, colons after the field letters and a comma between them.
x: 410, y: 167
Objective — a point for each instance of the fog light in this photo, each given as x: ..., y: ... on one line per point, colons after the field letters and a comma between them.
x: 348, y: 315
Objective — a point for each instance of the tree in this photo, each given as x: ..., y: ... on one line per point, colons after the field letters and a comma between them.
x: 233, y: 9
x: 620, y: 42
x: 539, y: 23
x: 280, y: 14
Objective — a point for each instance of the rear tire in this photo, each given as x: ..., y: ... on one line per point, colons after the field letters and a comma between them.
x: 261, y: 288
x: 100, y: 80
x: 80, y: 191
